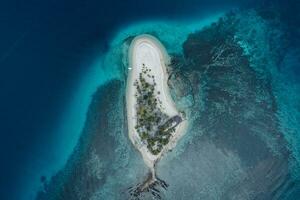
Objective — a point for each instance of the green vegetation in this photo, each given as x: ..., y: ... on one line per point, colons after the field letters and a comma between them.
x: 153, y: 126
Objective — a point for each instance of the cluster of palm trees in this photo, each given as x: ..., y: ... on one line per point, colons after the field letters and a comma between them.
x: 150, y: 118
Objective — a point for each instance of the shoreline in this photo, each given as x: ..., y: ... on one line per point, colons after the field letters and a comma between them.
x: 153, y: 48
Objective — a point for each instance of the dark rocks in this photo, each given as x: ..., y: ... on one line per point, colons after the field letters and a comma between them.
x: 149, y: 187
x: 181, y: 90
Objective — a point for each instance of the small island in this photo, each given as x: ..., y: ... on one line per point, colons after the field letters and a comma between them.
x: 154, y: 123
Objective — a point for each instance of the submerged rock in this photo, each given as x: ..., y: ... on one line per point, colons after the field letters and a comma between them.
x: 181, y: 90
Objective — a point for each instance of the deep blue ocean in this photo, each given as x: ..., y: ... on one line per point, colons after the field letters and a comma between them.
x: 48, y: 55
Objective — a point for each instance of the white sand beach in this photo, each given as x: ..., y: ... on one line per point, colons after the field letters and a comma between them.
x: 147, y: 50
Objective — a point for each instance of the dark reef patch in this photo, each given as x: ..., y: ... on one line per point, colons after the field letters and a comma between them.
x: 234, y: 148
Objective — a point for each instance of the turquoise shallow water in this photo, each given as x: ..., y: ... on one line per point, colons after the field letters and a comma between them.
x: 244, y: 118
x: 55, y: 56
x: 105, y: 68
